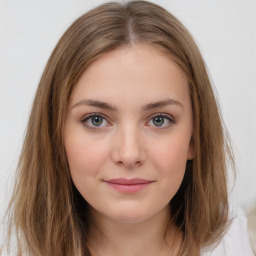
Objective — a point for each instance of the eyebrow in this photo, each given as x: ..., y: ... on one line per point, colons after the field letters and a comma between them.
x: 147, y: 107
x: 95, y: 103
x: 162, y: 103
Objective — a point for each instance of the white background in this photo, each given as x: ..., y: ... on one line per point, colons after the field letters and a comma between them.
x: 225, y: 31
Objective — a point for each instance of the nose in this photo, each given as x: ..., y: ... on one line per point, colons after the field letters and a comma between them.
x: 128, y: 150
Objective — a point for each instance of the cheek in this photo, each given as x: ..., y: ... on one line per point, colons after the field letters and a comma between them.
x: 171, y: 154
x: 170, y: 158
x: 85, y: 156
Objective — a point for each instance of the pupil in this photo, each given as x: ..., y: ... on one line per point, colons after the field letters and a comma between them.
x: 158, y: 121
x: 97, y: 120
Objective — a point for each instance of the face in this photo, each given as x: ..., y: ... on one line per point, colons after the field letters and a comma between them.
x: 128, y: 131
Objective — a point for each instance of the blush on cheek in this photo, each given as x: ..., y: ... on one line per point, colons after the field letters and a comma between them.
x: 85, y: 157
x: 172, y: 156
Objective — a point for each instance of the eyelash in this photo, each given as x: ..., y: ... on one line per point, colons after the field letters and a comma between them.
x: 85, y: 119
x: 165, y: 116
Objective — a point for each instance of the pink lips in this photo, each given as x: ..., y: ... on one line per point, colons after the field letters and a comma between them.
x: 128, y: 185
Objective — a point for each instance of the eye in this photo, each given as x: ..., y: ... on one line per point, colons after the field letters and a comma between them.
x: 161, y: 120
x: 94, y: 121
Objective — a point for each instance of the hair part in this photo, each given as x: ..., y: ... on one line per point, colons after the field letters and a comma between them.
x: 47, y: 212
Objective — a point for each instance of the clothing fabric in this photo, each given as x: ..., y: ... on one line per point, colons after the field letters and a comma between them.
x: 235, y: 242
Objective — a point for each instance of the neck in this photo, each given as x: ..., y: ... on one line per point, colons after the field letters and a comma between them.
x: 156, y: 235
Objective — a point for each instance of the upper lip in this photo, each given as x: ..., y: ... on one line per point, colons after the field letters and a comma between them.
x: 124, y: 181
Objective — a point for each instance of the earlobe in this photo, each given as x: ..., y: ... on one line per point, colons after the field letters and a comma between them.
x: 191, y: 150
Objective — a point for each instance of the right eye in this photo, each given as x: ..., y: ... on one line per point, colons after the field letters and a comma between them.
x: 94, y: 121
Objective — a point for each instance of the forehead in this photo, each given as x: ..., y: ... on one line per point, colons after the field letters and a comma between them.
x: 134, y: 73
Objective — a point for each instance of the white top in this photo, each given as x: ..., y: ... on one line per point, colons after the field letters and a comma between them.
x: 235, y: 242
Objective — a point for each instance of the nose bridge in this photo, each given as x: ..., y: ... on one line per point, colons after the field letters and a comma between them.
x: 128, y: 148
x: 129, y: 137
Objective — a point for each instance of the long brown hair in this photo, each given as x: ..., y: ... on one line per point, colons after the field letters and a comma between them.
x: 47, y: 212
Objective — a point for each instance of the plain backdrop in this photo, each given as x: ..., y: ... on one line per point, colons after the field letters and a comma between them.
x: 225, y: 31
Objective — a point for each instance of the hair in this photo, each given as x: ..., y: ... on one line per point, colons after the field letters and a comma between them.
x: 47, y: 214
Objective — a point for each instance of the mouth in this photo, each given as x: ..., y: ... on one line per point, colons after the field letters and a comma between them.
x: 128, y: 185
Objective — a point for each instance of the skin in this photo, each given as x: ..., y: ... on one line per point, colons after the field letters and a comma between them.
x: 130, y: 142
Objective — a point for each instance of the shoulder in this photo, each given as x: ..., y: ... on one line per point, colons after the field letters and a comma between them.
x: 235, y: 242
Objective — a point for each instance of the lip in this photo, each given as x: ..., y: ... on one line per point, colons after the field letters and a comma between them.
x: 128, y: 185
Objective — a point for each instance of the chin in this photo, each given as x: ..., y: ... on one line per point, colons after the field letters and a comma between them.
x: 130, y: 215
x: 132, y: 218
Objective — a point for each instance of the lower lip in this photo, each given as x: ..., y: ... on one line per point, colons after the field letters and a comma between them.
x: 129, y: 188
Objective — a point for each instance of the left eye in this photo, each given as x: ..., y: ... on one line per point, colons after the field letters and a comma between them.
x: 160, y: 121
x: 94, y: 121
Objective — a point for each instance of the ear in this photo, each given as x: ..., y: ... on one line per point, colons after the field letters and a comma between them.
x: 191, y: 150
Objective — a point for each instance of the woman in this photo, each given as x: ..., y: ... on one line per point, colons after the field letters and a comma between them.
x: 125, y: 152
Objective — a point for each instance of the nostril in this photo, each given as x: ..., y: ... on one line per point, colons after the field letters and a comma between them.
x: 129, y: 165
x: 128, y: 151
x: 120, y: 163
x: 139, y: 163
